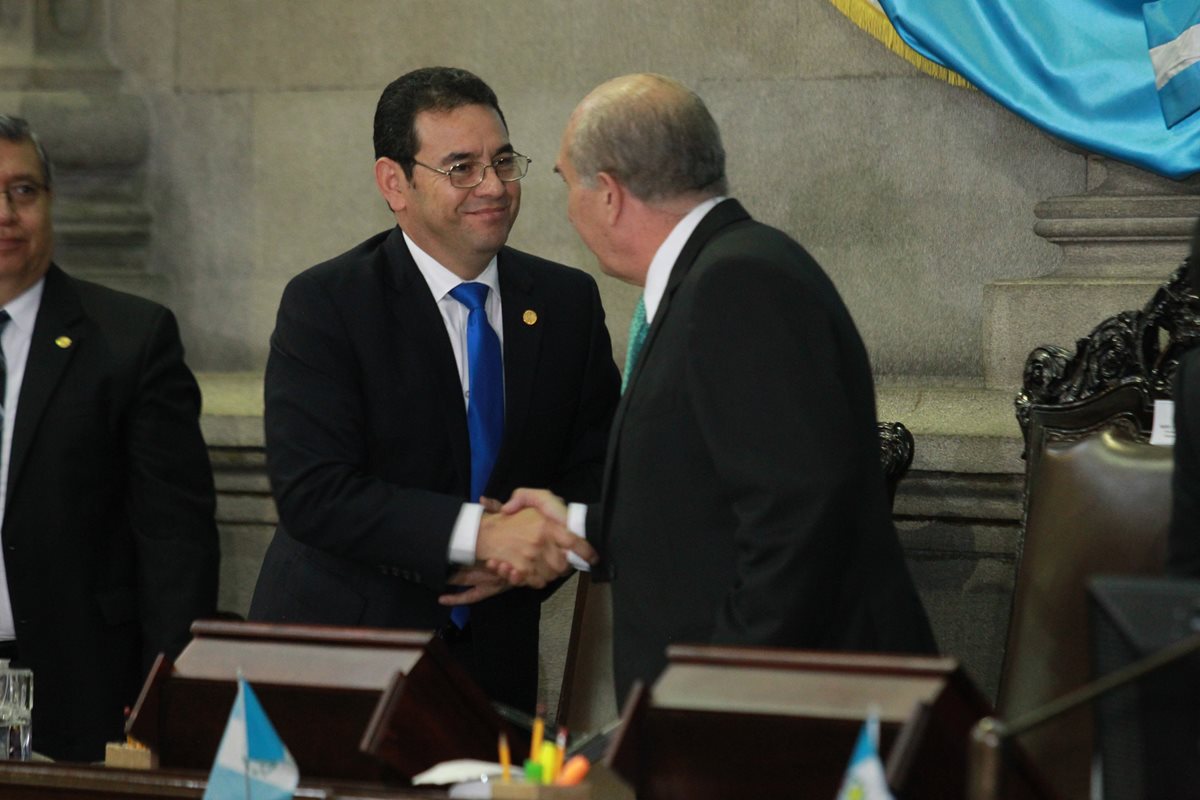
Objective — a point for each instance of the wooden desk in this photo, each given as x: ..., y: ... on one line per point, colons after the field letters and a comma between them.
x: 52, y: 781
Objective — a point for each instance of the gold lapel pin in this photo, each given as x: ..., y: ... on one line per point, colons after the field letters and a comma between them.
x: 63, y: 342
x: 529, y: 317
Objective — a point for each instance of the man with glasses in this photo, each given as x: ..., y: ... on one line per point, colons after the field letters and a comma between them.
x: 109, y: 546
x: 423, y: 370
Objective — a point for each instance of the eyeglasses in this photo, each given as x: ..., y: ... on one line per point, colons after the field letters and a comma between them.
x: 509, y: 167
x: 24, y: 195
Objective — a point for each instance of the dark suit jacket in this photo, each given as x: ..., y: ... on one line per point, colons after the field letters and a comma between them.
x: 744, y: 501
x: 1183, y: 541
x: 368, y: 451
x: 110, y: 547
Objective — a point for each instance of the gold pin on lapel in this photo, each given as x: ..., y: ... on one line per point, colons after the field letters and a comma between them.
x: 529, y: 317
x: 63, y: 342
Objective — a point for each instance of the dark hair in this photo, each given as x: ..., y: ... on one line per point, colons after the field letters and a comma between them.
x: 17, y: 130
x: 427, y: 89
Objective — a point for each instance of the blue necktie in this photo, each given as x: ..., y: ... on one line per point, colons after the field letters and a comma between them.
x: 637, y: 337
x: 485, y: 392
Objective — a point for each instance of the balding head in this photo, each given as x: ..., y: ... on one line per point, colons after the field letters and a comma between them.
x: 651, y: 133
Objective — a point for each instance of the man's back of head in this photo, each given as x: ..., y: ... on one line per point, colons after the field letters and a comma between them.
x: 653, y: 134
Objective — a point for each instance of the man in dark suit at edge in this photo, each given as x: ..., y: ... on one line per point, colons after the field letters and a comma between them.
x: 1183, y: 539
x: 743, y: 499
x: 387, y: 418
x: 110, y: 547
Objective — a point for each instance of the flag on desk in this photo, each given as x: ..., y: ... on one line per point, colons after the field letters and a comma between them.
x: 252, y: 761
x: 864, y: 777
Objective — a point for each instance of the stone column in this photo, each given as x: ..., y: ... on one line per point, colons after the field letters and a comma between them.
x: 55, y: 72
x: 1120, y: 240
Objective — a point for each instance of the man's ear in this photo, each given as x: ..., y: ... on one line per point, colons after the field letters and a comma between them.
x: 614, y: 196
x: 390, y: 178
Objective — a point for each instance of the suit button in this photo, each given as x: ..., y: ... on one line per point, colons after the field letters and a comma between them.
x: 12, y: 548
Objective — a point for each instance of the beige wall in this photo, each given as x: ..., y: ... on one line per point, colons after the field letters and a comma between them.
x: 912, y: 194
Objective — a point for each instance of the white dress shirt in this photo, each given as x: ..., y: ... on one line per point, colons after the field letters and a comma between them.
x: 18, y: 333
x: 441, y: 282
x: 657, y: 277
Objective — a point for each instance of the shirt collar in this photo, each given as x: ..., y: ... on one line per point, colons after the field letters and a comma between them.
x: 442, y: 280
x: 24, y: 307
x: 668, y: 253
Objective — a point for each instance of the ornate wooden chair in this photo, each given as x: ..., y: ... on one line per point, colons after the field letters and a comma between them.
x: 1097, y: 501
x: 586, y: 702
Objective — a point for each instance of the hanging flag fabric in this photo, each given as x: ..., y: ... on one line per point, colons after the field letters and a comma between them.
x: 865, y: 779
x: 1173, y: 35
x: 252, y: 762
x: 868, y: 15
x: 1079, y: 69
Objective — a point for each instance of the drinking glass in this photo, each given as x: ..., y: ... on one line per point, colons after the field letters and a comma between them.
x: 16, y: 710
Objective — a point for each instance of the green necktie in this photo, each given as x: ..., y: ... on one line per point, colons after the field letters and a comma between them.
x: 637, y: 338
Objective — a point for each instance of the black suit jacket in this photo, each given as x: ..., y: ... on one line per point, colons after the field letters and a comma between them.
x: 1183, y: 541
x: 110, y: 547
x: 368, y: 451
x: 744, y: 501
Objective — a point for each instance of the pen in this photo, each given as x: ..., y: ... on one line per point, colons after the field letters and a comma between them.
x: 539, y: 726
x: 560, y: 743
x: 505, y: 760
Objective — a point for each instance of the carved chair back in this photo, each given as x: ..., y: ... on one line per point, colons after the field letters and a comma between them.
x: 1097, y: 501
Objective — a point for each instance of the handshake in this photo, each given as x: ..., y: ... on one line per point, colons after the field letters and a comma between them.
x: 523, y: 542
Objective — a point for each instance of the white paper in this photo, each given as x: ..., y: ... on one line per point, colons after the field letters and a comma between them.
x: 458, y: 771
x: 1163, y: 432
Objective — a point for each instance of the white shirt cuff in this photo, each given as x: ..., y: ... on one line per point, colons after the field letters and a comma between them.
x: 465, y: 534
x: 577, y: 524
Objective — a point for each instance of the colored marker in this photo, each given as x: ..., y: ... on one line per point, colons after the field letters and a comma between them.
x: 574, y: 771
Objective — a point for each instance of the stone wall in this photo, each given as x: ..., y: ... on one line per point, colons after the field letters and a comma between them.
x: 913, y: 194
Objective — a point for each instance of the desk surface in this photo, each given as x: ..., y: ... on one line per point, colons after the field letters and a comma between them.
x: 46, y: 781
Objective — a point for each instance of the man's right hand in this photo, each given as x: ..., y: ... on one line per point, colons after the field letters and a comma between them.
x: 533, y: 546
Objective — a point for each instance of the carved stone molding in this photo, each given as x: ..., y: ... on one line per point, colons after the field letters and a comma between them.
x: 54, y: 44
x: 1128, y: 223
x: 53, y: 59
x: 99, y: 143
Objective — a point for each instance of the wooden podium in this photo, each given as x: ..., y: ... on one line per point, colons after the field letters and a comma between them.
x: 743, y: 722
x: 349, y: 703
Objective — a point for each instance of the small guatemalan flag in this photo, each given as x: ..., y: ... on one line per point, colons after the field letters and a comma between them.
x: 864, y: 777
x: 1173, y: 33
x: 252, y: 761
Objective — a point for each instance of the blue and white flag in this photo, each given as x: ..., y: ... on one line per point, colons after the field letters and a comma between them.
x: 1173, y: 35
x: 1079, y: 69
x: 252, y: 761
x: 865, y: 779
